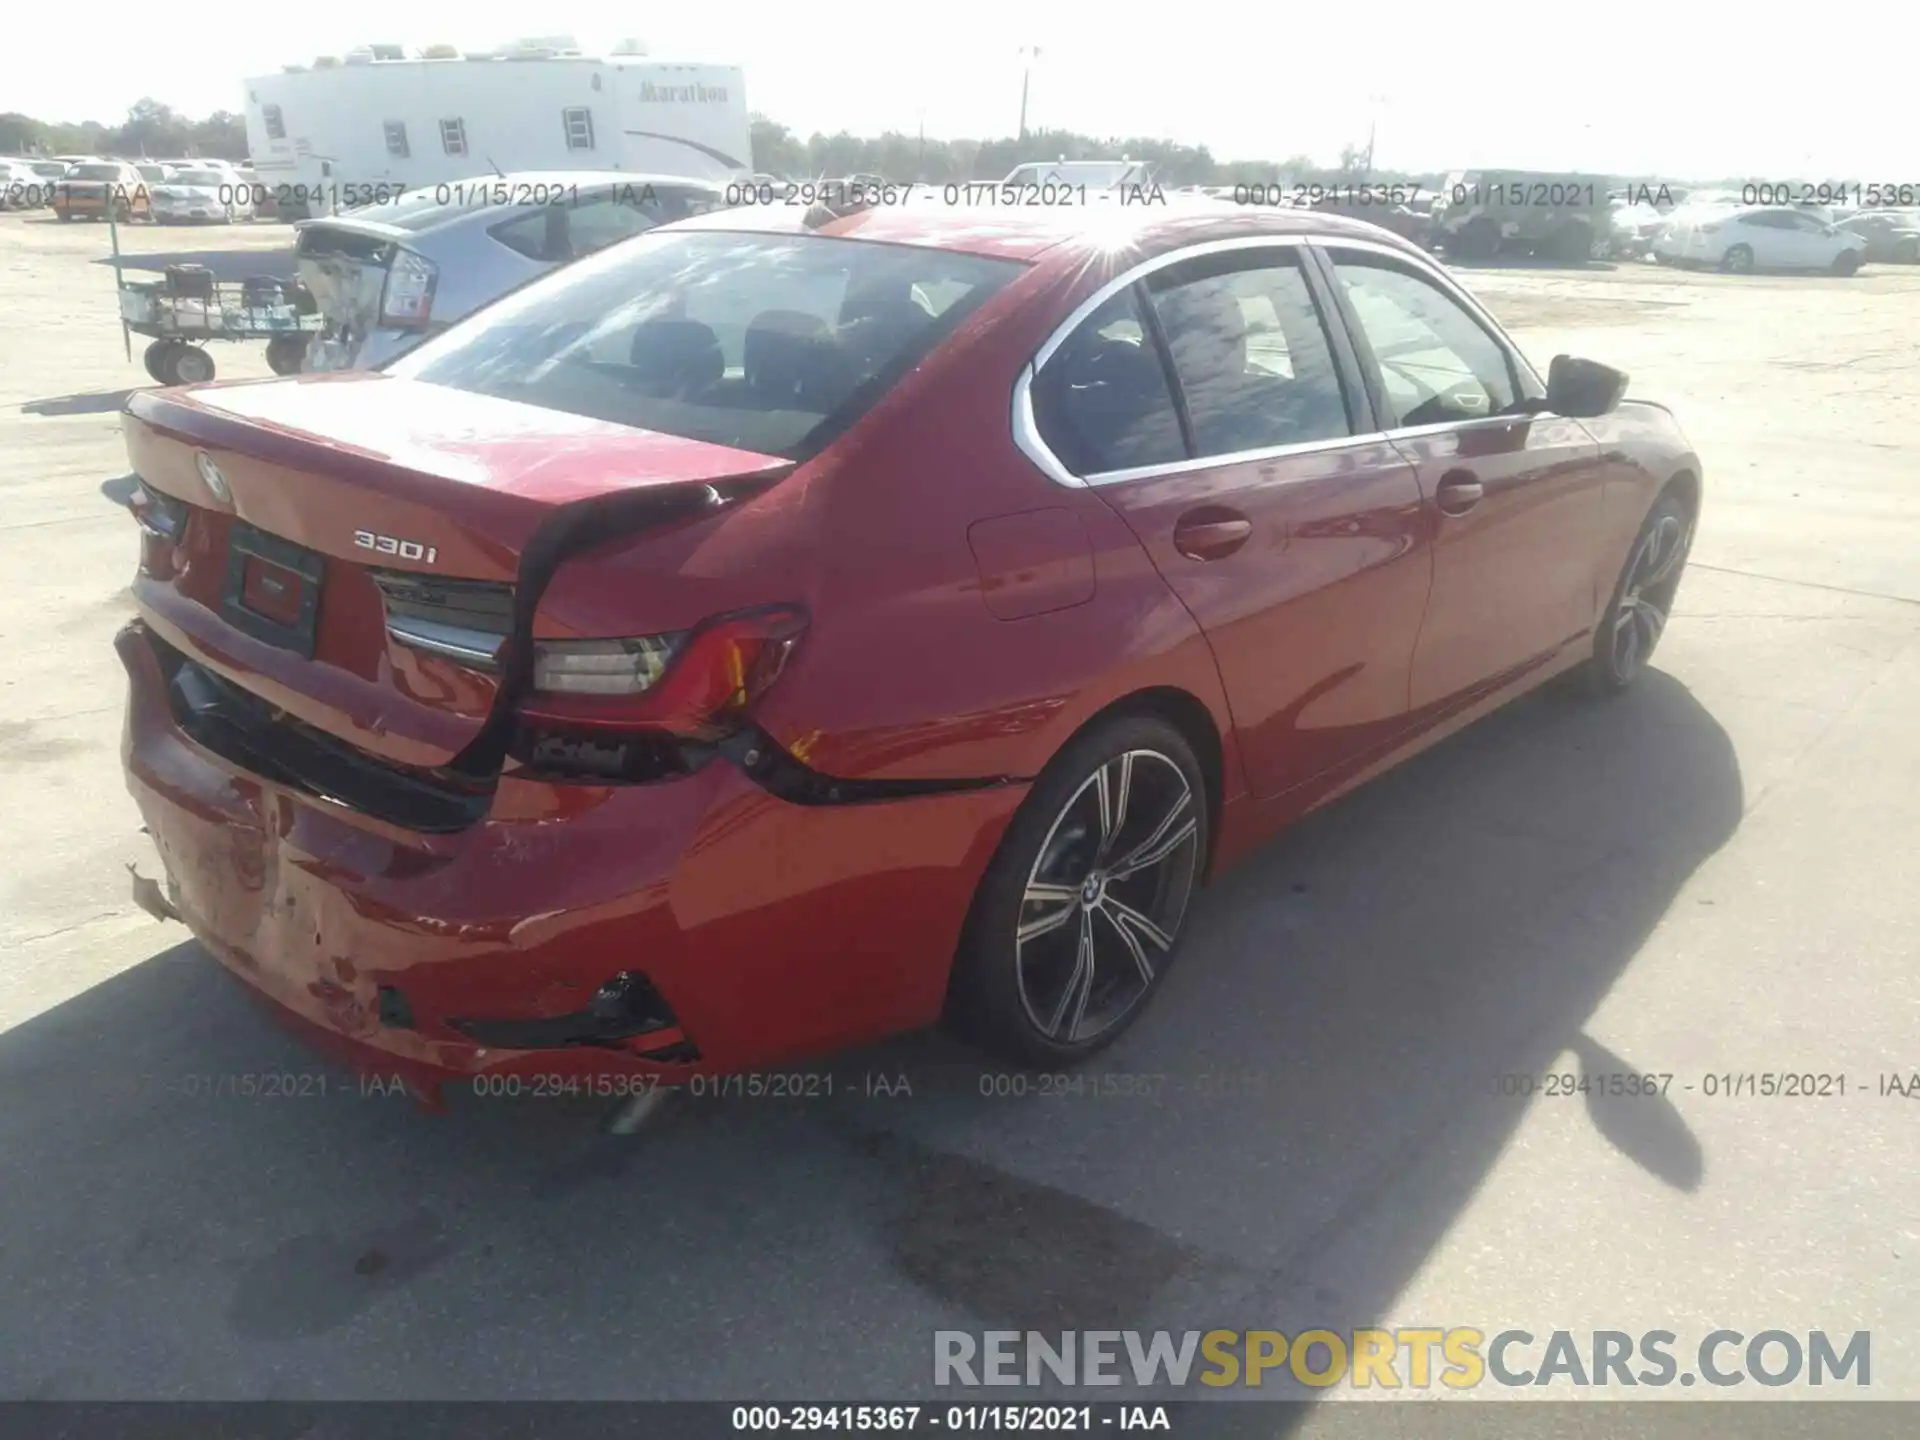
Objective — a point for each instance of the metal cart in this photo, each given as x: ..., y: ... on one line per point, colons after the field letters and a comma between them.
x: 188, y: 307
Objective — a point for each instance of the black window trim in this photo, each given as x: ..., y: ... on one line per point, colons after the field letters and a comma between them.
x: 566, y: 125
x: 1360, y: 381
x: 1156, y: 336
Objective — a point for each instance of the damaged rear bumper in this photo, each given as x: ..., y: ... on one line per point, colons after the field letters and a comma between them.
x: 698, y: 924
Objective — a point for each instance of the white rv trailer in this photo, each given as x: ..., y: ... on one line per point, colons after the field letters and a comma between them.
x: 355, y: 132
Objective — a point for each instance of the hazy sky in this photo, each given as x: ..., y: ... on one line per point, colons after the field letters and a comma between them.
x: 1671, y: 88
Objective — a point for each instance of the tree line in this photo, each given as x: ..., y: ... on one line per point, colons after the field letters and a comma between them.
x: 896, y: 155
x: 153, y: 128
x: 150, y: 128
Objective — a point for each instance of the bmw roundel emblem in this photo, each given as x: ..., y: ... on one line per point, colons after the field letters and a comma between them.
x: 210, y: 472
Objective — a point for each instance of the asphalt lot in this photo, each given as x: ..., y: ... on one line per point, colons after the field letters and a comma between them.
x: 1712, y: 875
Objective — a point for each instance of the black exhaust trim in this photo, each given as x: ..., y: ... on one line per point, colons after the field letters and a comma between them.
x: 567, y: 532
x: 776, y: 771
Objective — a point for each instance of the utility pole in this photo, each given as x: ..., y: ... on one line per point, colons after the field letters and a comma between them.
x: 1031, y: 53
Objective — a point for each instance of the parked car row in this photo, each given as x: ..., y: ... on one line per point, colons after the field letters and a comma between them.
x: 89, y: 187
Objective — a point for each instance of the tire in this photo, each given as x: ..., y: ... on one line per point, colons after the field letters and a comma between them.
x: 1022, y: 985
x: 1847, y: 262
x: 1642, y: 600
x: 1907, y: 254
x: 1738, y: 260
x: 66, y: 216
x: 187, y: 365
x: 158, y: 361
x: 1478, y: 240
x: 285, y: 353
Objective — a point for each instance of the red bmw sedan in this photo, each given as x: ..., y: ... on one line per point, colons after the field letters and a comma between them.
x: 775, y: 633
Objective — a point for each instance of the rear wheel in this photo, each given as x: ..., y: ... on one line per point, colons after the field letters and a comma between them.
x: 175, y: 362
x: 1738, y: 260
x: 1080, y: 913
x: 1847, y: 262
x: 192, y: 366
x: 1643, y: 598
x: 158, y: 361
x: 285, y: 352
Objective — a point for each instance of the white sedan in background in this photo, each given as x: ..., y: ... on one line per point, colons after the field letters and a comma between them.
x: 1757, y: 237
x: 201, y: 196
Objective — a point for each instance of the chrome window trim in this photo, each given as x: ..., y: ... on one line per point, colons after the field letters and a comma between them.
x: 1026, y: 434
x: 1026, y: 429
x: 1236, y: 457
x: 476, y: 648
x: 1145, y: 268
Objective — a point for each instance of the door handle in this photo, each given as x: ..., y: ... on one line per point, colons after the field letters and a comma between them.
x: 1459, y: 492
x: 1211, y: 533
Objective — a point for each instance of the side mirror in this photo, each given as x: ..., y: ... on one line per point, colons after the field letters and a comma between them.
x: 1583, y: 389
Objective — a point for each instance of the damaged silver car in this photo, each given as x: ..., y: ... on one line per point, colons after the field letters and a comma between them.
x: 387, y: 276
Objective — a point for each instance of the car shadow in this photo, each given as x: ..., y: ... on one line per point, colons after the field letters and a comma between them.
x: 225, y: 264
x: 89, y: 402
x: 1280, y: 1143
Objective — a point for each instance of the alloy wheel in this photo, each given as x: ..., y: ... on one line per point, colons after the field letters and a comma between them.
x: 1105, y: 898
x: 1647, y: 597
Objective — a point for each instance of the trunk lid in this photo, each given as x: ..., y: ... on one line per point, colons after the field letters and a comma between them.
x: 345, y: 265
x: 355, y: 544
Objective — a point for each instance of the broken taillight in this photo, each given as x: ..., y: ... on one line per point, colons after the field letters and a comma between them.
x: 406, y: 302
x: 163, y: 524
x: 691, y: 684
x: 159, y: 514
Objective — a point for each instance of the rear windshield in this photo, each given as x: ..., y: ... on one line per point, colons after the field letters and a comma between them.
x: 415, y: 210
x: 769, y: 343
x: 94, y: 172
x: 199, y: 177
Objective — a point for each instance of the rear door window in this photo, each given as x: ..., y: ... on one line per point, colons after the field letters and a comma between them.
x: 1250, y: 352
x: 1102, y: 402
x: 607, y: 219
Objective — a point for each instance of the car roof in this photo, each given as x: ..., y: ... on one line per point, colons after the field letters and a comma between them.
x: 1026, y: 234
x: 426, y: 215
